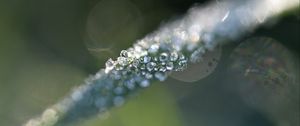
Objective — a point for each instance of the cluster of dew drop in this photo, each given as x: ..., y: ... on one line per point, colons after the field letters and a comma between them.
x: 137, y: 67
x: 150, y: 59
x: 153, y: 58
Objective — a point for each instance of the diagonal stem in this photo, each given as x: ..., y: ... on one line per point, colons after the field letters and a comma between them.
x: 158, y: 54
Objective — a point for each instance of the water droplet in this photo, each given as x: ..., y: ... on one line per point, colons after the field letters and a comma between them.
x: 115, y: 75
x: 163, y: 57
x: 143, y: 72
x: 150, y: 66
x: 160, y: 76
x: 130, y: 84
x: 131, y: 53
x: 145, y: 83
x: 182, y: 65
x: 122, y: 61
x: 173, y: 56
x: 148, y: 76
x: 181, y: 57
x: 124, y: 53
x: 119, y: 67
x: 155, y: 59
x: 118, y: 101
x: 108, y: 86
x: 100, y: 102
x: 143, y: 53
x: 143, y: 67
x: 119, y: 90
x: 137, y: 48
x: 135, y: 63
x: 138, y: 78
x: 153, y: 48
x: 146, y: 59
x: 170, y: 66
x: 125, y: 72
x: 109, y: 65
x: 77, y: 95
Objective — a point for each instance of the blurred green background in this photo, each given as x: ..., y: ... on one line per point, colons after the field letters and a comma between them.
x: 47, y: 47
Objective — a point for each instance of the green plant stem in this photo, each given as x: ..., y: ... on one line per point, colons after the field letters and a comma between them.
x: 201, y: 29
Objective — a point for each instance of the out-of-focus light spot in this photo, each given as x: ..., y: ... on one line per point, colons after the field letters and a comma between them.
x: 199, y: 70
x: 266, y: 76
x: 111, y: 24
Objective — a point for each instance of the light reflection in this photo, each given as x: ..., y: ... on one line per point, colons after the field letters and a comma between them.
x: 265, y: 74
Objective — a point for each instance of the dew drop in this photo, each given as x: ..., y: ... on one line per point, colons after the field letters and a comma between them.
x: 150, y: 66
x: 118, y: 101
x: 146, y: 59
x: 162, y: 69
x: 145, y: 83
x: 163, y: 57
x: 119, y: 90
x: 170, y: 66
x: 160, y: 76
x: 122, y: 61
x: 173, y: 56
x: 124, y: 53
x: 181, y: 65
x: 115, y: 75
x: 109, y: 65
x: 130, y: 84
x: 143, y: 67
x: 148, y: 76
x: 77, y: 95
x: 135, y: 63
x: 155, y: 59
x: 100, y: 102
x: 153, y: 48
